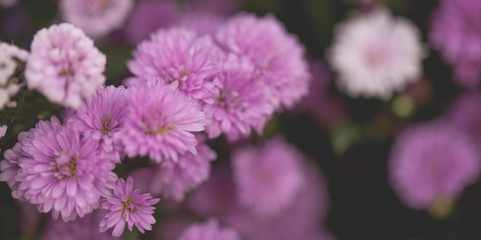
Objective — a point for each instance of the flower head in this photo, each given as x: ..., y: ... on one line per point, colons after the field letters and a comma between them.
x: 456, y: 32
x: 128, y: 206
x: 179, y: 57
x: 160, y: 122
x: 268, y: 178
x: 96, y: 17
x: 376, y: 54
x: 64, y: 65
x: 172, y: 179
x: 11, y: 58
x: 58, y: 171
x: 80, y: 229
x: 429, y: 162
x: 465, y: 115
x: 208, y: 231
x: 100, y: 119
x: 238, y: 103
x: 10, y: 165
x: 277, y: 56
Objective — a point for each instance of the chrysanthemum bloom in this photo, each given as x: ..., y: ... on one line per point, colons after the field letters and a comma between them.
x: 238, y: 103
x: 80, y: 229
x: 178, y: 57
x: 128, y: 206
x: 465, y: 114
x: 100, y: 119
x: 430, y: 162
x: 96, y: 17
x: 208, y: 231
x: 376, y: 54
x: 64, y: 65
x: 11, y: 58
x: 277, y: 56
x: 58, y: 171
x: 456, y: 32
x: 10, y: 165
x: 172, y: 179
x: 268, y: 178
x: 160, y: 122
x: 147, y: 17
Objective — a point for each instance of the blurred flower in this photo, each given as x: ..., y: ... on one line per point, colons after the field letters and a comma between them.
x: 377, y: 54
x: 172, y: 179
x: 80, y: 229
x: 128, y: 206
x: 429, y: 162
x: 201, y: 22
x: 277, y: 56
x: 213, y: 7
x: 10, y: 165
x: 7, y: 3
x: 147, y: 17
x: 3, y: 130
x: 208, y: 231
x: 325, y: 108
x: 238, y: 103
x: 160, y: 122
x: 58, y: 171
x: 178, y: 57
x: 456, y: 32
x: 10, y: 62
x: 64, y: 65
x: 100, y: 119
x: 465, y: 115
x: 268, y: 178
x: 96, y: 17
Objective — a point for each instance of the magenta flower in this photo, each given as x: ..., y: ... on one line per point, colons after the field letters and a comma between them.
x: 10, y: 166
x: 456, y: 32
x: 100, y: 119
x: 277, y: 55
x: 202, y: 22
x: 179, y: 57
x: 58, y: 171
x: 268, y: 178
x: 465, y: 115
x: 238, y: 103
x: 64, y: 65
x: 160, y: 122
x: 128, y: 206
x: 80, y: 229
x: 173, y: 179
x: 208, y: 231
x: 96, y: 17
x: 430, y: 162
x: 11, y: 58
x: 147, y: 17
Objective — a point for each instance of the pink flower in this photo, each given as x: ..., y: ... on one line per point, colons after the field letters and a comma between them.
x: 96, y: 17
x: 160, y: 122
x: 208, y: 231
x: 179, y: 57
x: 64, y: 65
x: 11, y: 58
x: 128, y: 206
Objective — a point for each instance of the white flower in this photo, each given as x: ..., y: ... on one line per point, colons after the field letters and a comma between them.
x: 10, y: 57
x: 376, y: 54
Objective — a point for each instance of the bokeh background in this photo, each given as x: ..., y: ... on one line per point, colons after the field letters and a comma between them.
x: 350, y: 140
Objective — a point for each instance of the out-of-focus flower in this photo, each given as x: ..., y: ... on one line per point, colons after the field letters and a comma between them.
x: 11, y: 58
x: 429, y: 162
x: 277, y: 56
x: 172, y: 179
x: 178, y: 57
x: 213, y: 7
x: 325, y: 108
x: 268, y: 178
x: 465, y: 115
x: 80, y: 229
x: 100, y: 119
x: 7, y: 3
x: 160, y: 122
x: 208, y: 231
x: 147, y: 17
x: 57, y: 170
x: 456, y: 32
x: 96, y: 17
x: 3, y: 130
x: 377, y: 54
x: 128, y: 206
x: 201, y: 22
x: 64, y: 65
x: 238, y: 103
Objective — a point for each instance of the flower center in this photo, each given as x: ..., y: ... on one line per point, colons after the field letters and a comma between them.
x: 229, y: 99
x: 130, y: 206
x: 66, y: 166
x: 106, y: 125
x: 162, y: 130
